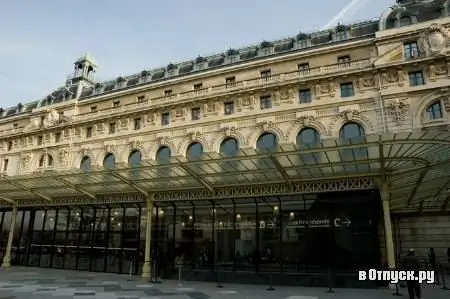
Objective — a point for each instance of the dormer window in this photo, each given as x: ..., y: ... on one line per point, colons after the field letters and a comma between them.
x: 201, y: 66
x: 341, y: 35
x: 171, y: 73
x: 411, y: 50
x: 232, y: 58
x: 405, y: 21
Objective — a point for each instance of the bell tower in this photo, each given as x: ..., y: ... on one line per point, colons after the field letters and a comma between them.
x: 84, y: 70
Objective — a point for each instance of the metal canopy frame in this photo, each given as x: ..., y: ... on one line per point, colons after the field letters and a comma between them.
x: 416, y: 165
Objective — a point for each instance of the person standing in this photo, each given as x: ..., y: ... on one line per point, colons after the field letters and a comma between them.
x: 411, y: 263
x: 433, y: 264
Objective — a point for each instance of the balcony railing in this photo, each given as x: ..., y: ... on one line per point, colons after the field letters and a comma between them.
x: 225, y: 88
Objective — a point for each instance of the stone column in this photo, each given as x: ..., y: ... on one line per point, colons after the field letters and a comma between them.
x: 147, y: 268
x: 7, y: 258
x: 390, y: 256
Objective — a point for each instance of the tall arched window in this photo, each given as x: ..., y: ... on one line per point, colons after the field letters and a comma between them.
x: 163, y: 157
x: 434, y: 111
x: 46, y: 160
x: 135, y: 157
x: 109, y: 161
x: 267, y: 142
x: 352, y: 133
x: 134, y: 161
x: 85, y: 164
x: 309, y: 138
x: 229, y: 147
x: 194, y: 151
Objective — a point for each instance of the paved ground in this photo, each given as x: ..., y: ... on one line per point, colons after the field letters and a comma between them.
x: 29, y: 283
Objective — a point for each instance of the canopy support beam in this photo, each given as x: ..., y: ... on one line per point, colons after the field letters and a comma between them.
x: 7, y: 199
x: 417, y: 185
x: 282, y: 172
x: 77, y: 188
x: 197, y: 178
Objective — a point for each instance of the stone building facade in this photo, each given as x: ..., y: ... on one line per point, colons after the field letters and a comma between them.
x: 389, y: 76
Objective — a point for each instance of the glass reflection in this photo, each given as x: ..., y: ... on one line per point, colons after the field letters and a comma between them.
x: 194, y: 151
x: 353, y: 133
x: 309, y: 138
x: 268, y: 142
x: 109, y: 161
x: 163, y: 156
x: 86, y: 163
x: 134, y: 160
x: 229, y: 147
x: 247, y: 253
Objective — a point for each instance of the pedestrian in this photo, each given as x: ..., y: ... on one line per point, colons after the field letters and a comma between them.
x: 411, y: 263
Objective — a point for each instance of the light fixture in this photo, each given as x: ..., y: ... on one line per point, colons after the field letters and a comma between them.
x: 291, y: 214
x: 221, y: 223
x: 190, y: 217
x: 275, y: 208
x: 182, y: 224
x: 116, y: 213
x: 238, y: 216
x: 161, y: 212
x: 118, y: 224
x: 77, y: 214
x: 112, y: 218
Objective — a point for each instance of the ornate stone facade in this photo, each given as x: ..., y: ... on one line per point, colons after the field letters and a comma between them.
x: 380, y: 97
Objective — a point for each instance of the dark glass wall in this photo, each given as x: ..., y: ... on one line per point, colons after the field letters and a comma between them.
x: 288, y: 236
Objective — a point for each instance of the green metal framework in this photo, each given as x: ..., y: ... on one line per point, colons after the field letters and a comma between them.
x: 416, y: 165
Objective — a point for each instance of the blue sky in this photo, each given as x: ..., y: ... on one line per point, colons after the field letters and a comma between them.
x: 39, y: 40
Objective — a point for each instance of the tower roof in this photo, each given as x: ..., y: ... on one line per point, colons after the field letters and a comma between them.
x: 87, y: 58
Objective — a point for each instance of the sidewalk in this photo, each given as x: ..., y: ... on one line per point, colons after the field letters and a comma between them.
x: 28, y: 283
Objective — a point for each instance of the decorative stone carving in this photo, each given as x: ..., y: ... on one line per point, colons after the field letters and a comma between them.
x: 265, y: 125
x: 179, y: 113
x: 348, y: 114
x: 123, y: 124
x: 365, y: 83
x: 63, y: 157
x: 246, y: 103
x: 193, y: 136
x: 306, y: 120
x: 84, y: 151
x: 434, y: 40
x: 136, y: 144
x: 326, y: 89
x: 397, y: 109
x: 229, y: 131
x: 402, y: 77
x: 25, y: 161
x: 162, y: 140
x: 51, y: 119
x: 110, y: 148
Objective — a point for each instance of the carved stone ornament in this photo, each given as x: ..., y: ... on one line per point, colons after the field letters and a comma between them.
x: 162, y: 140
x: 365, y: 82
x: 63, y: 157
x: 265, y: 125
x: 390, y: 77
x: 136, y: 144
x: 433, y: 40
x: 25, y: 161
x: 192, y: 136
x: 246, y: 103
x: 397, y: 110
x: 51, y: 119
x: 306, y: 120
x: 84, y: 151
x: 348, y: 114
x: 229, y: 131
x: 33, y: 124
x: 110, y: 148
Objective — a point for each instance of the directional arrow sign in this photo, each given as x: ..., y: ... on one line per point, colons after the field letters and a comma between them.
x: 342, y: 222
x: 346, y: 222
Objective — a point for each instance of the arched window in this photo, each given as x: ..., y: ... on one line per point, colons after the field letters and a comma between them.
x: 46, y: 160
x: 229, y: 147
x: 135, y: 157
x: 434, y: 111
x: 267, y: 142
x: 353, y: 133
x: 309, y: 138
x: 109, y: 161
x: 194, y: 151
x: 163, y: 155
x: 405, y: 21
x: 85, y: 164
x: 134, y: 161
